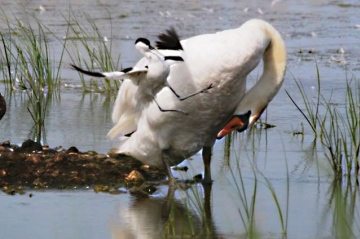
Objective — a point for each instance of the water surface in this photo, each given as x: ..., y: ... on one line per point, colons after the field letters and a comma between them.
x: 322, y: 32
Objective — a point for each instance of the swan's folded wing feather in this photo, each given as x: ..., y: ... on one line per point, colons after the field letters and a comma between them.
x: 125, y: 100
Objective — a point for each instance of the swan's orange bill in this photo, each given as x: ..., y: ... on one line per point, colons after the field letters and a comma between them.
x: 237, y: 122
x: 233, y: 124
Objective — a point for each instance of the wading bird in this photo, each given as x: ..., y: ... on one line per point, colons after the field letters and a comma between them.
x: 2, y: 106
x: 146, y: 81
x: 223, y: 59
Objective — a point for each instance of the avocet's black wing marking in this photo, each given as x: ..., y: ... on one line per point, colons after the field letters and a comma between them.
x: 131, y: 71
x: 169, y: 40
x: 90, y: 73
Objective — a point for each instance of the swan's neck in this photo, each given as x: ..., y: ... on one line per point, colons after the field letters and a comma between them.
x: 274, y: 58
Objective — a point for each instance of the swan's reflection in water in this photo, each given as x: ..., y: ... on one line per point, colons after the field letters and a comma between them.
x: 184, y: 214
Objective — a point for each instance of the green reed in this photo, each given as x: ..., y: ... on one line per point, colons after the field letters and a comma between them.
x: 337, y: 130
x: 246, y: 208
x: 29, y: 65
x: 89, y: 48
x: 247, y: 198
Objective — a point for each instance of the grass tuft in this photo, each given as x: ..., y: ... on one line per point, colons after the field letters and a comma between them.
x: 337, y: 129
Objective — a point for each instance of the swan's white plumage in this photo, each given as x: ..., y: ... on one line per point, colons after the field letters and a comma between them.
x: 223, y: 59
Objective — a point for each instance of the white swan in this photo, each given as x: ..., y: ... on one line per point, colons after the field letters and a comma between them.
x: 223, y: 59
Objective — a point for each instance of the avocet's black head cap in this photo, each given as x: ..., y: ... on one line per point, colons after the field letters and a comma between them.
x: 143, y: 40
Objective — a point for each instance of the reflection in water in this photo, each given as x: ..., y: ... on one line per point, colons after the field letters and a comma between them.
x: 72, y: 118
x: 341, y: 209
x: 168, y: 217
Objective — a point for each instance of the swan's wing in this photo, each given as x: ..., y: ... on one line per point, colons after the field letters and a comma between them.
x: 125, y: 114
x: 125, y: 100
x: 127, y: 124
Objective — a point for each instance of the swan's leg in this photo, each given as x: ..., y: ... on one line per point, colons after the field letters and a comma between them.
x: 166, y: 209
x: 171, y: 178
x: 208, y: 222
x: 205, y: 90
x: 206, y: 153
x: 164, y: 110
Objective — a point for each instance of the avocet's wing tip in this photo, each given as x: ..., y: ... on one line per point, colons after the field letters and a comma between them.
x: 169, y: 40
x: 90, y: 73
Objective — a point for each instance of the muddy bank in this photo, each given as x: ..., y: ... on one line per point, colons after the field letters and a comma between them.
x: 35, y: 166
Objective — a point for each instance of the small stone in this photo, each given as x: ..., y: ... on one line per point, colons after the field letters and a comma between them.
x: 6, y: 143
x: 59, y: 157
x: 176, y: 168
x: 33, y: 159
x: 197, y: 178
x: 111, y: 160
x: 72, y: 149
x: 101, y: 156
x: 91, y: 153
x: 30, y: 145
x: 135, y: 176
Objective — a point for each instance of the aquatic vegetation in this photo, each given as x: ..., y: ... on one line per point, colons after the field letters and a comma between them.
x: 247, y: 200
x: 337, y: 129
x: 342, y: 209
x: 87, y: 37
x: 28, y: 66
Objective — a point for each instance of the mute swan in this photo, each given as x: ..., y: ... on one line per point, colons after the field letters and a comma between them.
x: 2, y: 106
x: 223, y: 59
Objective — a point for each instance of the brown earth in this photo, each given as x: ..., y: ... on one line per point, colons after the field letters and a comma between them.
x: 35, y: 166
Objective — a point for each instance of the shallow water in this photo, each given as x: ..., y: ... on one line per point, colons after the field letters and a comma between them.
x: 314, y: 32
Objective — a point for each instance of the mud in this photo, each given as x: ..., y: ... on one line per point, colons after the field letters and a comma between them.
x: 35, y: 166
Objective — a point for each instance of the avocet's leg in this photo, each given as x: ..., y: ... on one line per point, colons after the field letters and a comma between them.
x: 165, y: 110
x: 205, y: 90
x: 206, y: 153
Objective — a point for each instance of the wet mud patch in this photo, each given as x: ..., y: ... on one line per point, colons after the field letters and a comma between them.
x: 35, y: 166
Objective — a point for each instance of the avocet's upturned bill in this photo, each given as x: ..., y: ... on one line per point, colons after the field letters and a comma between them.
x: 223, y: 59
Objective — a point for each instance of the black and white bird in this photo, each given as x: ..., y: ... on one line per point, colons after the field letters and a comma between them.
x: 223, y: 59
x: 147, y: 79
